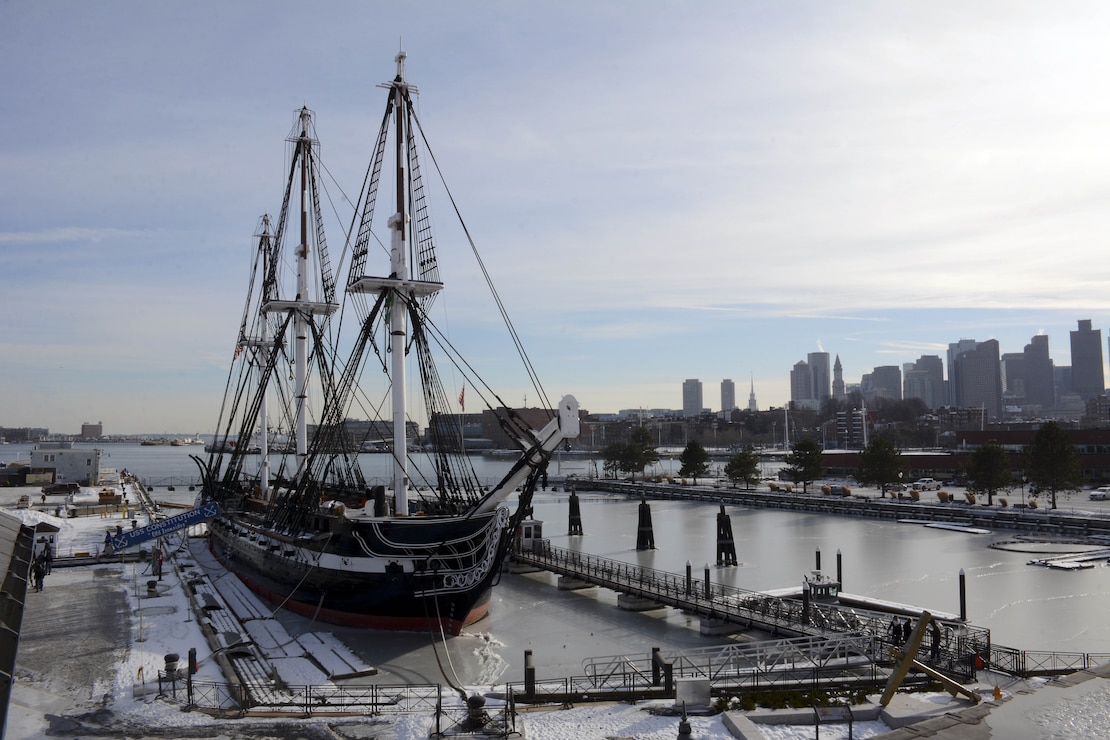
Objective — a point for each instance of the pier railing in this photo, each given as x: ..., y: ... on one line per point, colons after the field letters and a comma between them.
x: 1029, y: 663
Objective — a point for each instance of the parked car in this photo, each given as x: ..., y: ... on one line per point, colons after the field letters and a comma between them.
x: 1100, y: 494
x: 925, y: 484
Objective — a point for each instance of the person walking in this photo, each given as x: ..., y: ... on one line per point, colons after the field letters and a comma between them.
x: 38, y: 571
x: 934, y: 647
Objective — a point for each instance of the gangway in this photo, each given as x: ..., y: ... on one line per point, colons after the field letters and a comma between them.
x: 764, y: 663
x: 951, y: 651
x: 140, y: 535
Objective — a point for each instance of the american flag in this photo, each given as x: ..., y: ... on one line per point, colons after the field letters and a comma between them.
x: 462, y: 398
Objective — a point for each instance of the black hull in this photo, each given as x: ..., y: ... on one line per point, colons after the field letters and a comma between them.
x: 399, y: 574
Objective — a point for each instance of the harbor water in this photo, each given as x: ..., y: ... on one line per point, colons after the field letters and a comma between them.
x: 1025, y: 606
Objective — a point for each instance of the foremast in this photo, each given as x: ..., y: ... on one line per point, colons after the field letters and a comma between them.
x: 302, y: 307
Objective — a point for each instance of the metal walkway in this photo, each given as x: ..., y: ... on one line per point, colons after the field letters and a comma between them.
x: 952, y: 651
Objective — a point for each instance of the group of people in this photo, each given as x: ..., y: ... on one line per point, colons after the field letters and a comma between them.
x: 40, y: 567
x: 900, y: 633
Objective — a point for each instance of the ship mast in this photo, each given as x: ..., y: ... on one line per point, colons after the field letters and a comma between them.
x: 300, y: 318
x: 398, y: 319
x: 302, y: 305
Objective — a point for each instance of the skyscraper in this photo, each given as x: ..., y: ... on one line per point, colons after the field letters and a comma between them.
x: 838, y: 380
x: 954, y: 350
x: 924, y: 379
x: 977, y: 375
x: 819, y: 369
x: 691, y: 397
x: 728, y: 397
x: 1087, y: 379
x: 886, y: 382
x: 1040, y: 387
x: 801, y: 383
x: 1012, y: 366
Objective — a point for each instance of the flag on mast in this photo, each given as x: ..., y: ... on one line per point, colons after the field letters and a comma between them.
x: 462, y: 400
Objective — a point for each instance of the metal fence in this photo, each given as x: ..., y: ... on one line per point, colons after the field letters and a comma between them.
x: 305, y: 701
x: 1028, y: 663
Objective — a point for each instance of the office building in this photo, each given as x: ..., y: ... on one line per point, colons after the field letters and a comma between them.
x: 924, y: 379
x: 1087, y: 379
x: 977, y: 377
x: 691, y: 397
x: 819, y: 371
x: 728, y: 397
x: 1040, y: 386
x: 954, y: 350
x: 801, y: 384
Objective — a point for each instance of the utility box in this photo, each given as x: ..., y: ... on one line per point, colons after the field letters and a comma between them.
x: 693, y: 692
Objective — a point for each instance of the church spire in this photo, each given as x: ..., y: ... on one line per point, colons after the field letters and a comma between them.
x: 752, y: 405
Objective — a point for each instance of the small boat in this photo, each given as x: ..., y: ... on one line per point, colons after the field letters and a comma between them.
x: 304, y: 527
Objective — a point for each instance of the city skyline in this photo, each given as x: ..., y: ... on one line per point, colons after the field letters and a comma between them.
x: 708, y: 190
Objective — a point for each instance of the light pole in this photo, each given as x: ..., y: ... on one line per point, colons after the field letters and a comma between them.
x: 1023, y: 492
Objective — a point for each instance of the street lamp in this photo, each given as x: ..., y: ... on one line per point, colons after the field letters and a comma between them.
x: 1023, y: 478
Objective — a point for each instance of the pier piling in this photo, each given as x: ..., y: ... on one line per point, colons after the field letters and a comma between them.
x: 963, y: 596
x: 645, y: 535
x: 726, y: 544
x: 575, y: 527
x: 839, y: 569
x: 529, y: 676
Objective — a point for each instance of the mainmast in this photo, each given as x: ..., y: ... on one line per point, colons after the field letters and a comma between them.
x: 300, y: 318
x: 401, y: 287
x: 398, y: 318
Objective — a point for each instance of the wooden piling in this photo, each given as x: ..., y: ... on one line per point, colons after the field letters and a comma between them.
x: 645, y: 534
x: 726, y: 544
x: 575, y: 527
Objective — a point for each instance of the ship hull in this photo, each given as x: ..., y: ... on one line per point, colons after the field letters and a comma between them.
x: 412, y: 574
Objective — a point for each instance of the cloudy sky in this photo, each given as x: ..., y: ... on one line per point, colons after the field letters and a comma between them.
x: 662, y: 190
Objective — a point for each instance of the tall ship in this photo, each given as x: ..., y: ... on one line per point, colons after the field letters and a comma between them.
x: 300, y: 522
